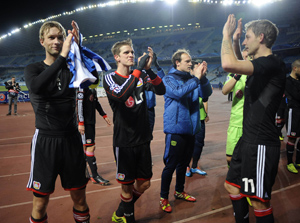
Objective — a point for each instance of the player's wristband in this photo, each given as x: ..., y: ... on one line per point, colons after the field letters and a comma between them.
x: 104, y: 116
x: 80, y: 123
x: 237, y: 76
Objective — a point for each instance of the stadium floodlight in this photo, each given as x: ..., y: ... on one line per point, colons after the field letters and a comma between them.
x: 260, y: 2
x: 227, y: 2
x: 171, y: 2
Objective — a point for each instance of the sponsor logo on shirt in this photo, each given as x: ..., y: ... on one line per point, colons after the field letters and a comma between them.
x: 36, y: 185
x: 130, y: 102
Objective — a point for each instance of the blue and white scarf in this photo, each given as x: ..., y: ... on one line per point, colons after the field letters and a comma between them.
x: 82, y: 62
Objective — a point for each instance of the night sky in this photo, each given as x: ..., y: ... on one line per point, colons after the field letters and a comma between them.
x: 15, y: 14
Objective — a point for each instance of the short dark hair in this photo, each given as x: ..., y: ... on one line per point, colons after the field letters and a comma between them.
x: 296, y: 63
x: 177, y: 56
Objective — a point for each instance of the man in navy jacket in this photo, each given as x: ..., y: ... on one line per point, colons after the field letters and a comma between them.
x: 181, y: 121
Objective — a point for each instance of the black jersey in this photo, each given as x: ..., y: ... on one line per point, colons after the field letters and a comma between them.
x: 292, y: 92
x: 90, y: 103
x: 127, y: 99
x: 263, y: 93
x: 52, y: 100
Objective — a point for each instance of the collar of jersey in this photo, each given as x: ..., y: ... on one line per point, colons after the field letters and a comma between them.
x: 121, y: 75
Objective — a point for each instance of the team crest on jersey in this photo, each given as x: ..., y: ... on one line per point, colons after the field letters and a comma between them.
x: 88, y: 141
x: 239, y: 94
x: 293, y: 133
x: 130, y: 102
x: 140, y: 83
x: 36, y: 185
x: 120, y: 176
x: 80, y: 96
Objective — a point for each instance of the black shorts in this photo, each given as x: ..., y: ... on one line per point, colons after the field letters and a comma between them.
x: 253, y: 169
x: 56, y: 154
x: 133, y: 163
x: 88, y: 139
x: 293, y: 123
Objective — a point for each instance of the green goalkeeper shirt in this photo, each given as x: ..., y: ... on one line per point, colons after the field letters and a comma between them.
x: 236, y: 116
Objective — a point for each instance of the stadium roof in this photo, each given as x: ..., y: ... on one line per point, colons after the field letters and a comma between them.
x: 102, y: 20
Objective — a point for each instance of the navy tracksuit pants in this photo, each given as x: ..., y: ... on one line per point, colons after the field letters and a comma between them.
x: 178, y: 153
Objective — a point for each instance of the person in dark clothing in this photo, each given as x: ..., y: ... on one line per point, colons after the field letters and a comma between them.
x: 13, y: 91
x: 292, y: 92
x: 56, y: 146
x: 281, y: 116
x: 132, y: 135
x: 150, y: 95
x: 87, y: 104
x: 254, y: 163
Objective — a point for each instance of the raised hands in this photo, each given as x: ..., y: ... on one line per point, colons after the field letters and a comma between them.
x: 75, y: 31
x: 144, y: 61
x: 200, y: 70
x: 68, y: 41
x: 239, y: 30
x: 229, y: 26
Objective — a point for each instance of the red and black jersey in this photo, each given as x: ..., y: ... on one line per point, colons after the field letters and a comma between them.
x: 263, y: 94
x: 292, y: 92
x: 52, y: 100
x: 126, y: 96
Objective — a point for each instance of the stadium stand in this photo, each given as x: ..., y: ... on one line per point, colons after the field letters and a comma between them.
x: 202, y: 39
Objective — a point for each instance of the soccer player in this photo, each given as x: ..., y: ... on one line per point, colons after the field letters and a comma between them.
x: 181, y: 122
x: 132, y: 135
x: 56, y: 146
x: 255, y: 159
x: 292, y: 92
x: 235, y: 83
x: 87, y: 104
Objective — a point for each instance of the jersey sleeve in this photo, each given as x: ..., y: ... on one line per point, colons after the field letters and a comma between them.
x: 99, y: 107
x: 119, y: 91
x: 229, y: 77
x: 37, y: 82
x: 266, y: 67
x: 80, y: 96
x: 154, y: 83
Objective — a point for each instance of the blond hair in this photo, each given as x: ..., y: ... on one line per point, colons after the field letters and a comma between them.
x: 48, y: 25
x: 265, y: 27
x: 115, y: 49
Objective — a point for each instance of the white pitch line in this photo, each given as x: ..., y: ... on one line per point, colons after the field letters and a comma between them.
x: 229, y: 206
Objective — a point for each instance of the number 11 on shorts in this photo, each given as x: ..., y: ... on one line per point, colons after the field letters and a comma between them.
x: 248, y: 182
